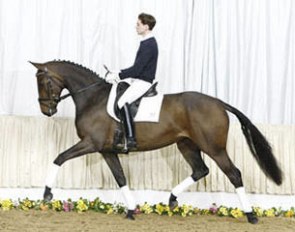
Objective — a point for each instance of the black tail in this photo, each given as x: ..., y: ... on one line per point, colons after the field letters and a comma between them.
x: 259, y: 146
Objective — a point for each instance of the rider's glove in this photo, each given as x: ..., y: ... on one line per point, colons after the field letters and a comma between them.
x: 112, y: 77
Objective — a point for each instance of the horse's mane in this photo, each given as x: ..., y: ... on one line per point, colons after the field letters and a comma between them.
x: 75, y: 65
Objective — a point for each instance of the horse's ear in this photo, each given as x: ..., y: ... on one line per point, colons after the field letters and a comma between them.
x: 39, y: 66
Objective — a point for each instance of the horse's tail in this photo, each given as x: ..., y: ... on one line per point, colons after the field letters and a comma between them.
x: 259, y: 146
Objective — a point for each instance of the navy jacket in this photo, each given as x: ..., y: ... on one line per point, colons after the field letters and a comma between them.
x: 145, y: 64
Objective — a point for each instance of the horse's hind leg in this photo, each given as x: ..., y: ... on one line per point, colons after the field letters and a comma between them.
x: 192, y: 155
x: 233, y: 173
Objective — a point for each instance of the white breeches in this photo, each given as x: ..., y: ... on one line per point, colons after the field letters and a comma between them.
x: 136, y: 89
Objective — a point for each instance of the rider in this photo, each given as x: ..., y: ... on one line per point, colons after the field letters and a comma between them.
x: 140, y: 75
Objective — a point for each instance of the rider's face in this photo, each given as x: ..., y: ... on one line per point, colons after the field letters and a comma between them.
x: 141, y: 29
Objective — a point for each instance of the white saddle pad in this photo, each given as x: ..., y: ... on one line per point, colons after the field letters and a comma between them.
x: 148, y: 110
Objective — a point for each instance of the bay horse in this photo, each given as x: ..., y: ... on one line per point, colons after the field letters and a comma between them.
x: 194, y: 121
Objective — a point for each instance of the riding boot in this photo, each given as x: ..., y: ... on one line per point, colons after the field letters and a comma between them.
x: 118, y: 140
x: 128, y: 123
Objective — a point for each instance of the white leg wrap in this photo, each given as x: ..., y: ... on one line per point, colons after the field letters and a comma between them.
x: 183, y: 186
x: 51, y: 176
x: 128, y: 197
x: 246, y: 207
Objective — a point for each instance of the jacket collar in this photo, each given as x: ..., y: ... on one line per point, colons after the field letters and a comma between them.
x: 148, y: 36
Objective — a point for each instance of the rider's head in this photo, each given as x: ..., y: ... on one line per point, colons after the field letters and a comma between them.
x: 145, y: 23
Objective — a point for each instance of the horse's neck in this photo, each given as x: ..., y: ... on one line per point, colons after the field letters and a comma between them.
x: 89, y: 92
x: 75, y: 83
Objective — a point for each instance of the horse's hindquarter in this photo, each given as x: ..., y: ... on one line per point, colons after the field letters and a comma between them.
x: 208, y: 121
x: 190, y: 114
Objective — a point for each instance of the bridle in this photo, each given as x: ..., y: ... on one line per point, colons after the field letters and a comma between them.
x: 52, y: 99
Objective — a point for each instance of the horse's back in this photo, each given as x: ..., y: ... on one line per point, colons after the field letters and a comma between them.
x: 194, y: 101
x: 200, y: 110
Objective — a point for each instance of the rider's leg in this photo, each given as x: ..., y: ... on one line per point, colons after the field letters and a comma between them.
x: 128, y: 126
x: 136, y: 90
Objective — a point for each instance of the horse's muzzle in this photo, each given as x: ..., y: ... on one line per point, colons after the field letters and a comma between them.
x: 49, y: 112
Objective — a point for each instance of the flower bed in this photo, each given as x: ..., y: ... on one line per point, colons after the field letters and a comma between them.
x: 83, y: 205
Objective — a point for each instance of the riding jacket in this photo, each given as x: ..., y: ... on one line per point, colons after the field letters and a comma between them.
x: 145, y: 64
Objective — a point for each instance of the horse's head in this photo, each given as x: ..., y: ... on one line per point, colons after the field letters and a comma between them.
x: 50, y: 85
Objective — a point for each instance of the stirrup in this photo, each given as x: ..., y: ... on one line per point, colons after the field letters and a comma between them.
x: 124, y: 148
x: 120, y: 148
x: 131, y: 143
x: 119, y: 141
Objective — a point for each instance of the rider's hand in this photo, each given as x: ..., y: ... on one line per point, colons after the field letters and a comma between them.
x: 112, y: 77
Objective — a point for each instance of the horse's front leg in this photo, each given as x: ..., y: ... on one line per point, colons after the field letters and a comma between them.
x: 117, y: 170
x: 81, y: 148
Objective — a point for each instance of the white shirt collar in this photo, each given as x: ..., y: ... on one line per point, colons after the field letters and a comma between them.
x: 148, y: 36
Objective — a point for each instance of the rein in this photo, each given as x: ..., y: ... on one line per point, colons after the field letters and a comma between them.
x: 57, y: 99
x: 78, y: 91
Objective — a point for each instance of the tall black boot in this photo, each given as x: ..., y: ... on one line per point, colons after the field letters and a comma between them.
x: 128, y: 126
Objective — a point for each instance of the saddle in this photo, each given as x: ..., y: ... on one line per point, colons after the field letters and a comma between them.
x: 121, y: 88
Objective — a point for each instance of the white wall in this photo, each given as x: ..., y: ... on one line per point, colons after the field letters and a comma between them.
x: 239, y: 51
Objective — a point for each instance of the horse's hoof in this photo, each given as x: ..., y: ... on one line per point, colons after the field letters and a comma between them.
x: 173, y: 205
x: 130, y: 215
x: 47, y: 197
x: 251, y: 218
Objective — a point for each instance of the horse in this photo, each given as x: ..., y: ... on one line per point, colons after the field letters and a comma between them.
x: 194, y: 121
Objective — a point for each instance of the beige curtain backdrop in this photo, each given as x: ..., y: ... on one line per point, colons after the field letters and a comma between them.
x: 28, y: 145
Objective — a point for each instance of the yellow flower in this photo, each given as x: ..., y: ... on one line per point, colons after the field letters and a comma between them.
x: 56, y: 205
x: 236, y: 213
x: 270, y: 213
x: 26, y: 204
x: 170, y: 213
x: 159, y: 209
x: 205, y: 212
x: 186, y: 210
x: 222, y: 211
x: 258, y: 211
x: 166, y: 209
x: 81, y: 206
x: 176, y: 209
x: 146, y: 209
x: 6, y: 204
x: 289, y: 213
x: 110, y: 210
x: 183, y: 214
